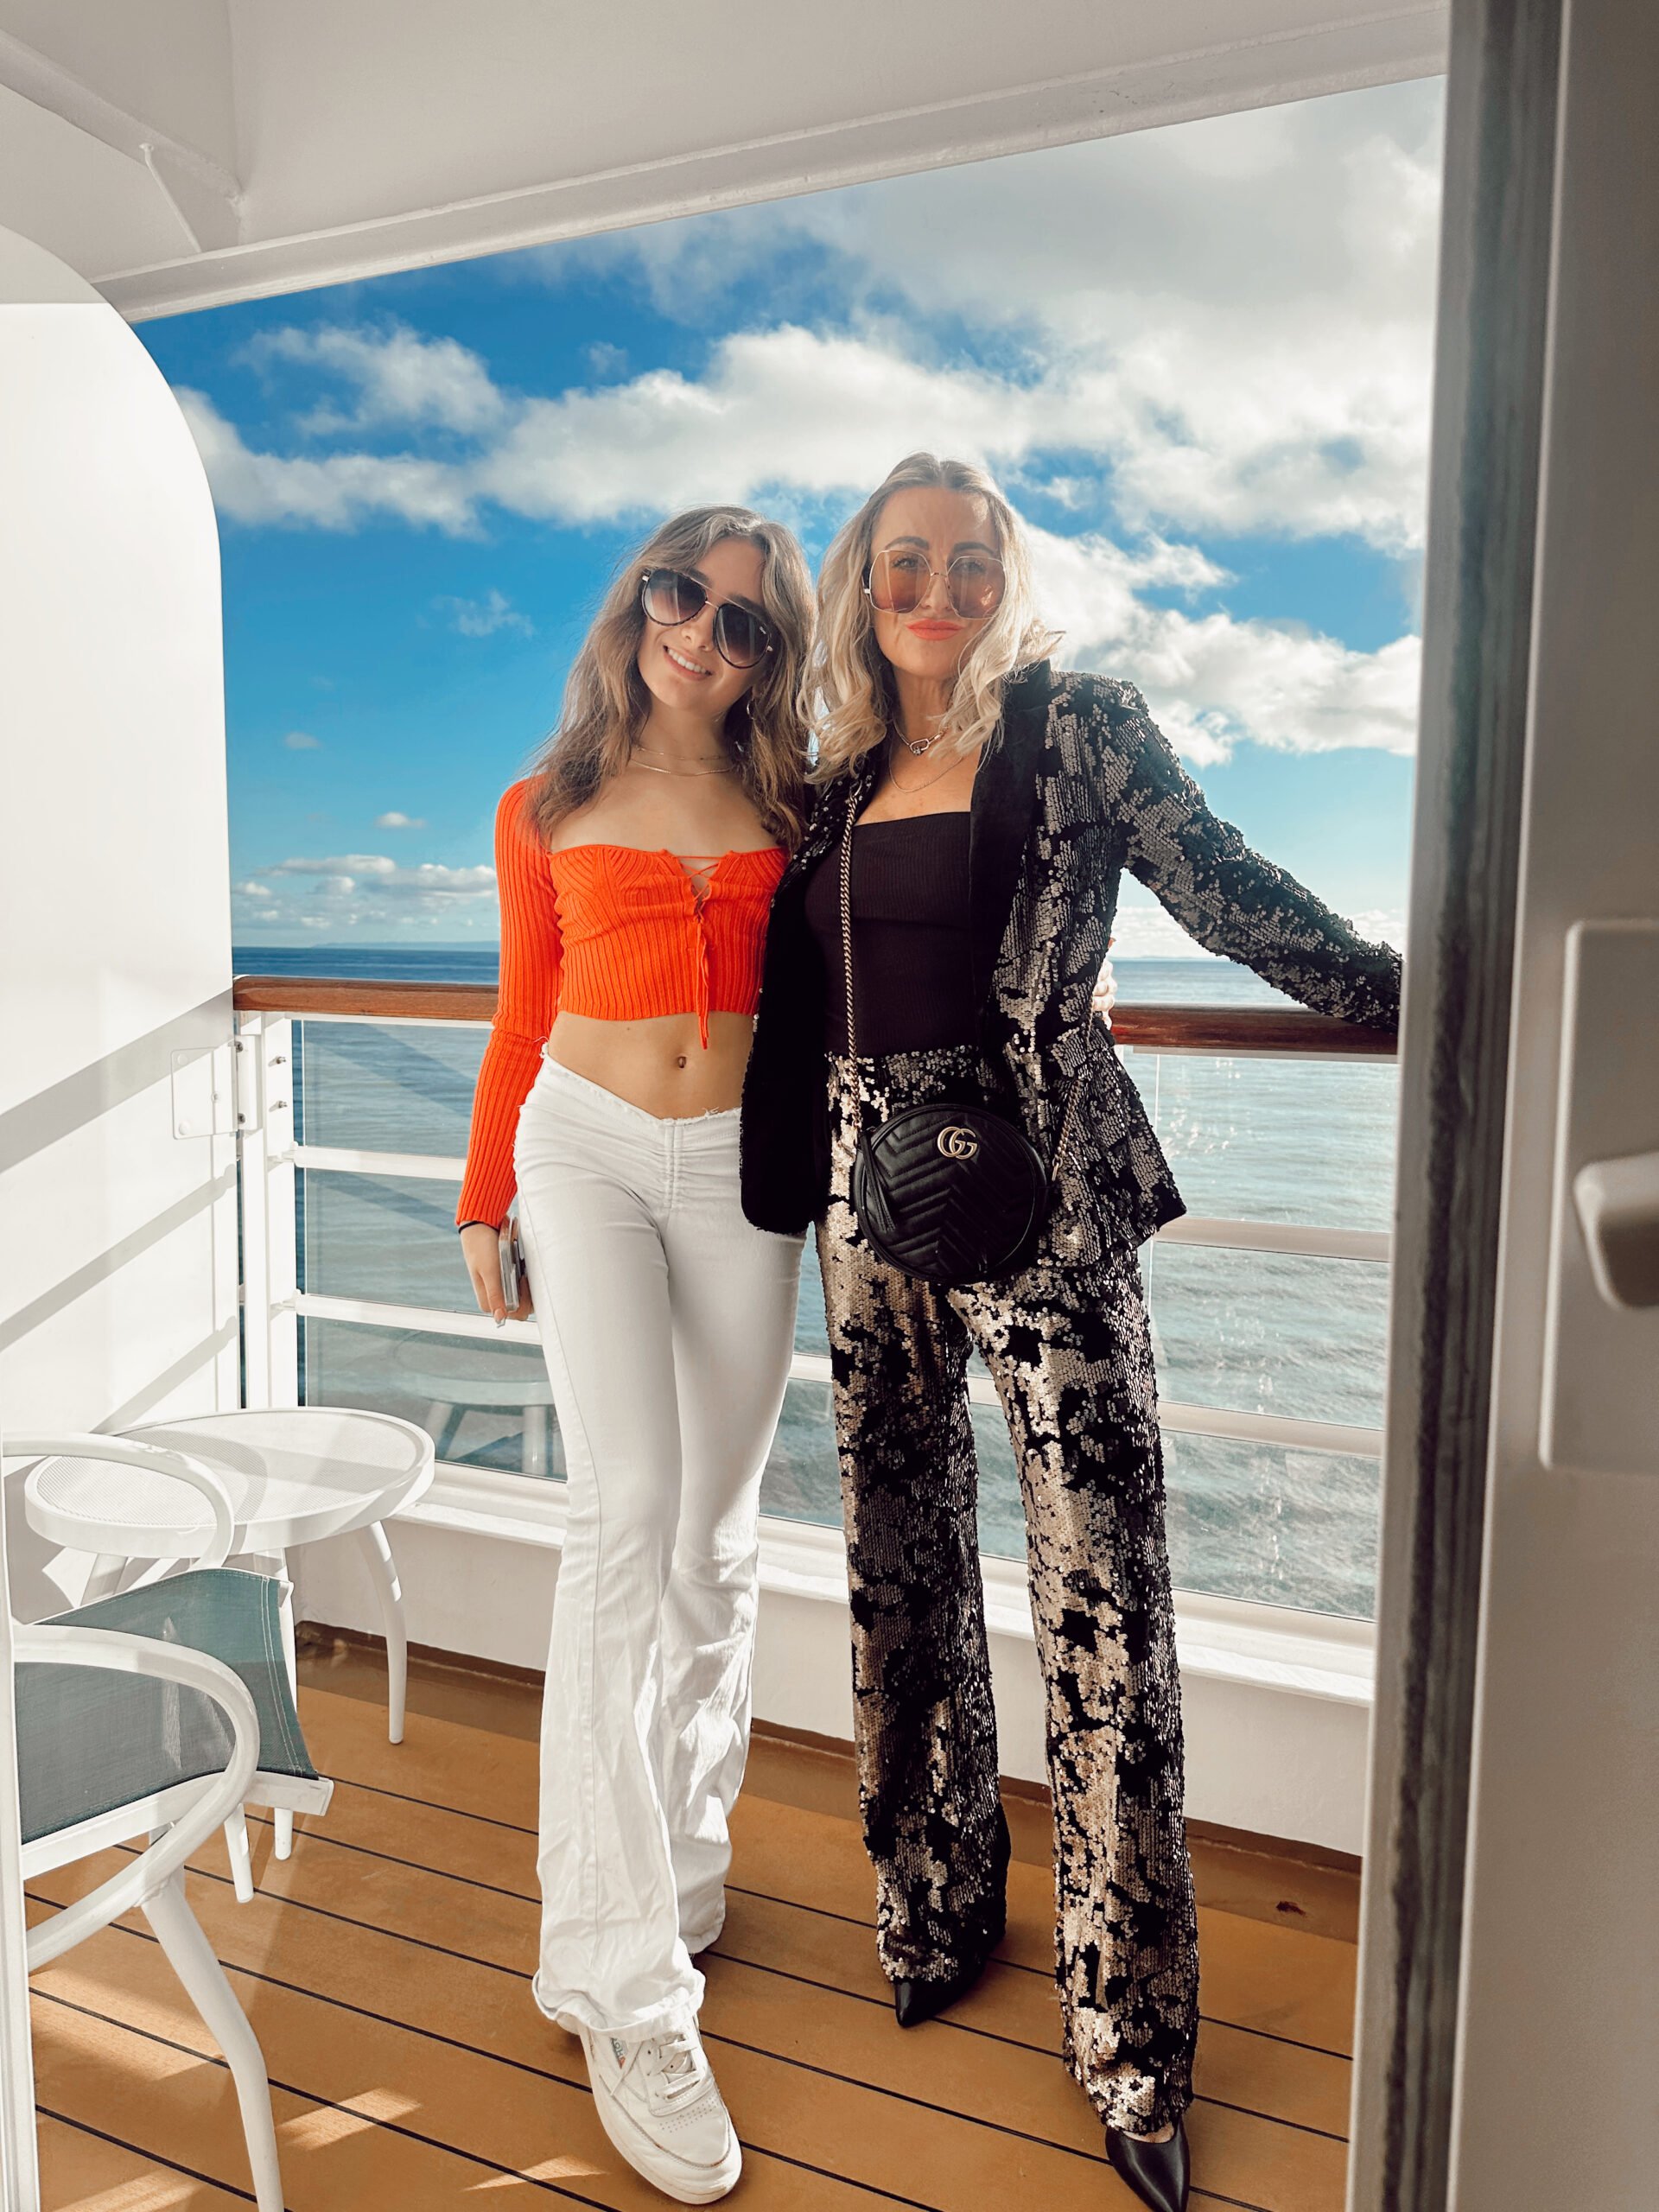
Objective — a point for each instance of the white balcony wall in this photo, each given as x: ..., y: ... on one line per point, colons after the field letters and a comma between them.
x: 1277, y: 1708
x: 118, y: 1235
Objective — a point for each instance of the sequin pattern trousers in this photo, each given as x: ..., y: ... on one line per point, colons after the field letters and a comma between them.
x: 1069, y: 1349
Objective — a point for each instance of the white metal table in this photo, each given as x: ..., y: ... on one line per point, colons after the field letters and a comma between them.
x: 294, y: 1476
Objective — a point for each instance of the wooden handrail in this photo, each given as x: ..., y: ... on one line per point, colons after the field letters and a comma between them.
x: 1221, y: 1029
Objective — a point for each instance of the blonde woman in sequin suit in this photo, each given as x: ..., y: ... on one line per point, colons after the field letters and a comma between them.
x: 997, y: 803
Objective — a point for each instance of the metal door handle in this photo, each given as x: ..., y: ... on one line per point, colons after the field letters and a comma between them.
x: 1618, y: 1203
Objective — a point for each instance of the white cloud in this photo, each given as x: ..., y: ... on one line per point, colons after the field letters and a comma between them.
x: 1222, y: 326
x: 351, y: 864
x: 396, y: 821
x: 396, y: 376
x: 341, y: 492
x: 301, y: 740
x: 1236, y: 312
x: 1143, y: 931
x: 482, y: 618
x: 378, y: 876
x: 790, y: 412
x: 1212, y: 680
x: 794, y: 409
x: 343, y: 891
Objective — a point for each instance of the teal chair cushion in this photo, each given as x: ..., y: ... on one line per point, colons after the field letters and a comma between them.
x: 89, y: 1741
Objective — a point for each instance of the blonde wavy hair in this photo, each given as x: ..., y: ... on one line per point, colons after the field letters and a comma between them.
x: 607, y: 704
x: 849, y: 682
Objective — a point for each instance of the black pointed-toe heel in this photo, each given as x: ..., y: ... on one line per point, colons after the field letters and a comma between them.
x: 916, y: 2001
x: 1159, y: 2173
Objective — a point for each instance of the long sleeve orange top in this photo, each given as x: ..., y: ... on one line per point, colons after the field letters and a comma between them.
x: 609, y: 931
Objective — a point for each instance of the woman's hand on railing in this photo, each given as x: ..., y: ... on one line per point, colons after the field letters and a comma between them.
x: 1105, y: 996
x: 481, y: 1247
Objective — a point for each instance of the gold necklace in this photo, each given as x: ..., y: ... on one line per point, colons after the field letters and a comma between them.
x: 908, y: 788
x: 682, y: 775
x: 698, y: 760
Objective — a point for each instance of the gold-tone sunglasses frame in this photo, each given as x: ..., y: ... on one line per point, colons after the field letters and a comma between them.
x: 869, y: 572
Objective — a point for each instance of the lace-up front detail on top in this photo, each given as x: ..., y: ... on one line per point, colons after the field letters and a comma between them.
x: 649, y: 933
x: 610, y: 933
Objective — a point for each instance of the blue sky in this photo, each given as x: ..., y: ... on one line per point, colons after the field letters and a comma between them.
x: 1197, y: 358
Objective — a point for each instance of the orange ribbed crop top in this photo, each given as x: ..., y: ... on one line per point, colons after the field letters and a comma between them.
x: 612, y: 932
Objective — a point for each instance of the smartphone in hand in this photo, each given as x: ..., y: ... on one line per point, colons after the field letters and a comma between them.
x: 512, y: 1268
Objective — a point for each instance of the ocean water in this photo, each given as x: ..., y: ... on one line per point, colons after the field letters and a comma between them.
x: 1249, y: 1138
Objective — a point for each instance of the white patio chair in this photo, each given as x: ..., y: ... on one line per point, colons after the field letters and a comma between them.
x: 91, y: 1452
x: 166, y: 1708
x: 292, y: 1476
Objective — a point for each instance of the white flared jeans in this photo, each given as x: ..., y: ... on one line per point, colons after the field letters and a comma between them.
x: 668, y: 1322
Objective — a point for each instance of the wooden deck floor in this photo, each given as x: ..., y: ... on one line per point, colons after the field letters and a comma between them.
x: 385, y: 1969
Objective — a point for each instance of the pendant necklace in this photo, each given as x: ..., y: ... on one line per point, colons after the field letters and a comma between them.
x: 921, y: 745
x: 924, y: 784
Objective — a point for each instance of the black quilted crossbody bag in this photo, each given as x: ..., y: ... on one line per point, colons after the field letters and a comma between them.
x: 954, y: 1194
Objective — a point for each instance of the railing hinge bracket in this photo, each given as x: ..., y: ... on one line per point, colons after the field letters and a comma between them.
x: 245, y: 1073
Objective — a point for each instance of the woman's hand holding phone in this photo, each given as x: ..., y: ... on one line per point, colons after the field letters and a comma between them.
x: 481, y: 1247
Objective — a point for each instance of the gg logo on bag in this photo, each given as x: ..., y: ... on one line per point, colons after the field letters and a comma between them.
x: 957, y: 1143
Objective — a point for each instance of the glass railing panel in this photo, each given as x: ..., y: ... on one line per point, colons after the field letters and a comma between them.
x: 376, y: 1086
x: 1286, y: 1140
x: 1270, y: 1139
x: 389, y: 1238
x: 811, y: 1329
x: 803, y: 1481
x: 1269, y: 1332
x: 483, y: 1404
x: 1272, y: 1524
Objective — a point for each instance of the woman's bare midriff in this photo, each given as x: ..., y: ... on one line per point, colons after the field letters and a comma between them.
x: 660, y: 1065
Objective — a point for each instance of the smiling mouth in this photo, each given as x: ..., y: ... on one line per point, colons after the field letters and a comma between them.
x: 689, y: 667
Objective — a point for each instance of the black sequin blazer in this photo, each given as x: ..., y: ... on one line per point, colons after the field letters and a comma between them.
x: 1079, y: 785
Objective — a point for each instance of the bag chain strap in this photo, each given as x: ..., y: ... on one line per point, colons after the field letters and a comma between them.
x: 847, y: 972
x: 847, y: 947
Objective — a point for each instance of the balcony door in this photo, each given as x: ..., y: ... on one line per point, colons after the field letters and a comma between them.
x: 1509, y: 2022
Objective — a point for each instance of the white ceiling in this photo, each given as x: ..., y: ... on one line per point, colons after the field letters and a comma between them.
x: 179, y: 153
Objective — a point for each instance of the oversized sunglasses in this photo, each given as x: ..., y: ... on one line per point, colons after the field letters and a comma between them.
x: 669, y: 595
x: 899, y: 580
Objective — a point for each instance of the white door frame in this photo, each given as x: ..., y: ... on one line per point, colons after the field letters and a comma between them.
x: 1508, y: 2028
x: 1495, y: 261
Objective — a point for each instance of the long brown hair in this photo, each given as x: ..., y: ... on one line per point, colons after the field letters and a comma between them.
x: 607, y: 704
x: 850, y: 681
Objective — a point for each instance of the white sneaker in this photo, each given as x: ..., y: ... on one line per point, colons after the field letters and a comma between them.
x: 661, y: 2105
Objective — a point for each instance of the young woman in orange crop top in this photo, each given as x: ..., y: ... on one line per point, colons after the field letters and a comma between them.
x: 636, y: 868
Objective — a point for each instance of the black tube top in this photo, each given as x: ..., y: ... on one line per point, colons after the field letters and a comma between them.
x: 911, y: 969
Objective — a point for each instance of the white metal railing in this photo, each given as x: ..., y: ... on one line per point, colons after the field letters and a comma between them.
x: 274, y: 1304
